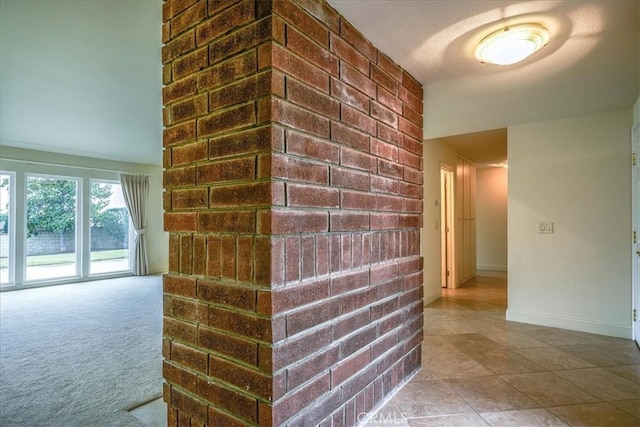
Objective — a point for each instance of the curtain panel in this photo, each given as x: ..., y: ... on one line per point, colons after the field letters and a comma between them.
x: 135, y: 189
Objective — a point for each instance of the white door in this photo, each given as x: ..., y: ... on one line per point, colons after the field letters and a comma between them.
x: 635, y: 197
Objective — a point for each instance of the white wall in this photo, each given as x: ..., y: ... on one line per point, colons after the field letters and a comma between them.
x: 157, y: 239
x: 491, y: 219
x: 576, y: 173
x: 435, y: 154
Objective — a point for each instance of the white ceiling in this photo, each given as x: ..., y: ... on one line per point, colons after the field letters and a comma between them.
x: 590, y: 65
x: 84, y: 77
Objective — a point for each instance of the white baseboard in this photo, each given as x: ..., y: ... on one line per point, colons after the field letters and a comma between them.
x: 491, y: 267
x: 571, y: 323
x: 432, y: 296
x: 158, y: 269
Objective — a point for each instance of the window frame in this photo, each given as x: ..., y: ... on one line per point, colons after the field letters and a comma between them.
x: 21, y: 169
x: 130, y: 236
x: 78, y: 222
x: 11, y: 229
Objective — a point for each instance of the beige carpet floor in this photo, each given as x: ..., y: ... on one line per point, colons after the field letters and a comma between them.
x: 80, y: 354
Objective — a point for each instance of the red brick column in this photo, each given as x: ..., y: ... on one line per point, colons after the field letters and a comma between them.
x: 292, y: 155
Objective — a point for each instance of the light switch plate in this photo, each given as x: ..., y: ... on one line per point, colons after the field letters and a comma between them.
x: 545, y: 227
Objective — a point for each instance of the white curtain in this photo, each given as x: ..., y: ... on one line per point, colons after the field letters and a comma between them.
x: 135, y: 189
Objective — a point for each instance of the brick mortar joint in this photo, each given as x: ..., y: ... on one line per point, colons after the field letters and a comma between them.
x: 227, y: 308
x: 203, y: 401
x: 209, y: 353
x: 218, y: 382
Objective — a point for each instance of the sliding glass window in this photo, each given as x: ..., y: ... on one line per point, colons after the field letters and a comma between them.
x: 51, y: 225
x: 110, y: 231
x: 61, y: 224
x: 7, y: 228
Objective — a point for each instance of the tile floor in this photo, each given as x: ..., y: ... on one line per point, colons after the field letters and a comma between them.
x: 480, y: 370
x: 152, y: 414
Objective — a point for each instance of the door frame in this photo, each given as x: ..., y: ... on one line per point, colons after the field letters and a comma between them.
x: 447, y: 218
x: 635, y: 241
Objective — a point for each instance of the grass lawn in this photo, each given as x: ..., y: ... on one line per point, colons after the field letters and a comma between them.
x: 107, y: 255
x: 60, y: 259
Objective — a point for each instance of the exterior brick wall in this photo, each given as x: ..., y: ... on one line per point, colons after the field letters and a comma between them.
x: 293, y: 187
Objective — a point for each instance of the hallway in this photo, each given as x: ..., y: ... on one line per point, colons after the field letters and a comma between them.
x: 478, y: 369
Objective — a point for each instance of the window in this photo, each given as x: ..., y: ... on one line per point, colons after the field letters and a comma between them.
x: 61, y: 224
x: 51, y: 239
x: 109, y: 229
x: 7, y: 228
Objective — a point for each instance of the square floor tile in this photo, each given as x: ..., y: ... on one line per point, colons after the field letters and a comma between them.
x: 505, y: 362
x: 472, y: 343
x: 629, y: 372
x: 492, y: 325
x: 432, y: 342
x: 388, y: 415
x: 556, y: 337
x: 447, y: 327
x: 523, y: 417
x: 553, y: 359
x: 630, y: 348
x: 594, y: 414
x: 548, y: 389
x: 514, y: 339
x: 490, y: 394
x: 427, y: 398
x: 524, y: 327
x: 630, y: 406
x: 602, y: 383
x: 601, y: 355
x: 448, y: 362
x: 152, y: 414
x: 613, y: 341
x: 467, y: 419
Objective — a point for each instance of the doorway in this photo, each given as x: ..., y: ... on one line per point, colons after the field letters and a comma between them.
x: 446, y: 229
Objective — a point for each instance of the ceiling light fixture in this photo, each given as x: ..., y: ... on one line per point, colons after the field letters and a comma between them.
x: 511, y: 44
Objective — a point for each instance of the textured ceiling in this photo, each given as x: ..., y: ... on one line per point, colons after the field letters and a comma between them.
x: 84, y: 77
x: 589, y: 66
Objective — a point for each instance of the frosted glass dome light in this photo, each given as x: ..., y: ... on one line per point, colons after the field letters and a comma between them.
x: 511, y: 44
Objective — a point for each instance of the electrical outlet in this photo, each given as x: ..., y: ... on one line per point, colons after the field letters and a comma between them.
x: 545, y: 227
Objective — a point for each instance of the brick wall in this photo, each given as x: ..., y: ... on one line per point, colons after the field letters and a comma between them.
x: 293, y: 178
